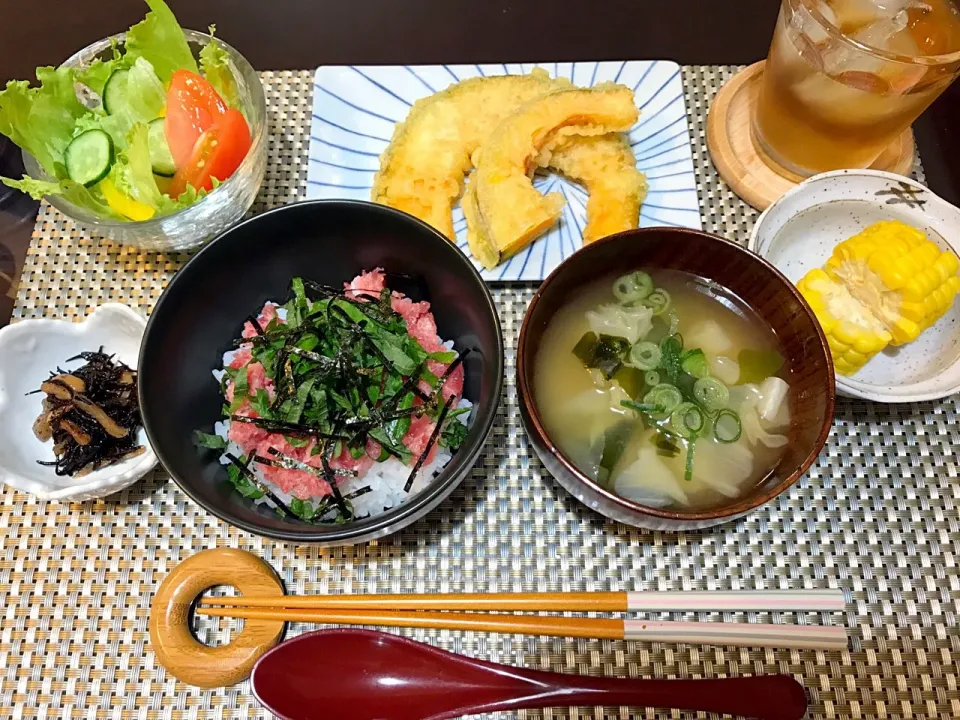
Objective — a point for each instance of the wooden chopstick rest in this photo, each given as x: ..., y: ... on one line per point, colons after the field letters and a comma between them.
x: 173, y: 642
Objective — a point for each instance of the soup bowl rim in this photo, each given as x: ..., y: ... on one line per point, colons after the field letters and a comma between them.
x: 763, y: 493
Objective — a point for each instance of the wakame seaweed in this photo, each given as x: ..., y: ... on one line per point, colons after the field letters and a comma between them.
x: 614, y: 443
x: 604, y: 353
x: 344, y: 370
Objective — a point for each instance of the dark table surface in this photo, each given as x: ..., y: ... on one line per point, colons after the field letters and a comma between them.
x: 296, y: 34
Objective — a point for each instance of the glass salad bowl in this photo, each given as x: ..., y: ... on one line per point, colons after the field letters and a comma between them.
x: 208, y: 216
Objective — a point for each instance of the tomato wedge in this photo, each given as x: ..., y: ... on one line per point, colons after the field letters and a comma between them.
x: 193, y: 107
x: 217, y: 154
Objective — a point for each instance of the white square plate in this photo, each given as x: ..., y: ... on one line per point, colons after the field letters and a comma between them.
x: 355, y: 110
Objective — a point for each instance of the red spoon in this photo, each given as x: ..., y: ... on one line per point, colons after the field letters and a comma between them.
x: 369, y: 675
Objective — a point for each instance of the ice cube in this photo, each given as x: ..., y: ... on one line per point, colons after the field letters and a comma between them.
x: 851, y: 15
x: 836, y: 103
x: 840, y: 57
x: 803, y: 22
x: 861, y: 17
x: 889, y: 33
x: 895, y: 7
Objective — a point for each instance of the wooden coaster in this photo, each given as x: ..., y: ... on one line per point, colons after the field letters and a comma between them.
x: 173, y: 642
x: 750, y: 172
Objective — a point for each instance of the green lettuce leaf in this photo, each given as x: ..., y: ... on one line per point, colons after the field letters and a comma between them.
x: 146, y: 96
x: 34, y: 188
x: 143, y: 100
x: 215, y: 64
x: 95, y: 75
x: 133, y: 172
x: 188, y: 197
x: 41, y: 120
x: 87, y: 198
x: 159, y: 39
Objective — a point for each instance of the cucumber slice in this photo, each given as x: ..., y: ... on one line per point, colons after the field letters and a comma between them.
x: 160, y: 156
x: 114, y: 91
x: 89, y: 157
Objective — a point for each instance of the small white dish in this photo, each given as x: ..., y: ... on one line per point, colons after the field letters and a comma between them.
x: 799, y: 231
x: 29, y: 350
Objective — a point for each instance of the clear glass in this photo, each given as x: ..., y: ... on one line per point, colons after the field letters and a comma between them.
x: 844, y: 78
x: 194, y: 225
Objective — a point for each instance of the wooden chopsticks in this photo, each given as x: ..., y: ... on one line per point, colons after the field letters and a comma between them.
x: 816, y: 637
x: 828, y: 600
x: 421, y: 611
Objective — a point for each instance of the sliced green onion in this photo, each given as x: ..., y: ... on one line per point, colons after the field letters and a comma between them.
x: 670, y: 350
x: 711, y: 393
x: 651, y: 378
x: 688, y: 473
x: 687, y: 420
x: 633, y: 287
x: 645, y: 355
x: 658, y: 301
x: 694, y: 363
x: 674, y: 341
x: 666, y: 395
x: 727, y: 427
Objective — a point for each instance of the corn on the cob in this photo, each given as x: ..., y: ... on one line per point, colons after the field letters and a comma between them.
x: 854, y: 336
x: 885, y: 285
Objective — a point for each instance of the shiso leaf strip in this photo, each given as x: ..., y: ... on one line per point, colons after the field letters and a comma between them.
x: 262, y: 486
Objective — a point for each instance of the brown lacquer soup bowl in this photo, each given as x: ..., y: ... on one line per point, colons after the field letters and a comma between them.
x: 808, y: 366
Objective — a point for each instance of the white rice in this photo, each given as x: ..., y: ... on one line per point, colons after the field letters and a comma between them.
x: 385, y: 479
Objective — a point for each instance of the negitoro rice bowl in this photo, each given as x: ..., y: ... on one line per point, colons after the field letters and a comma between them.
x: 339, y: 404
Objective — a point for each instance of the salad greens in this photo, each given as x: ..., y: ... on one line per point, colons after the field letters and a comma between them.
x: 159, y: 39
x: 215, y: 66
x: 121, y: 95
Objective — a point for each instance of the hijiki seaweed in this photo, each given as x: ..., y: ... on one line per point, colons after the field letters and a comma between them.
x: 91, y: 414
x: 345, y: 371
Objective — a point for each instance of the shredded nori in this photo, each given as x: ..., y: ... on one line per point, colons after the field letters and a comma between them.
x: 250, y: 476
x: 345, y: 371
x: 256, y: 324
x: 426, y: 450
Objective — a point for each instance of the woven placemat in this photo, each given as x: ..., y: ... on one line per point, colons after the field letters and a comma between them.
x: 877, y: 516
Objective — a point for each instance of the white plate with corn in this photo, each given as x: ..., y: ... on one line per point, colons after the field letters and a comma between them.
x: 875, y: 255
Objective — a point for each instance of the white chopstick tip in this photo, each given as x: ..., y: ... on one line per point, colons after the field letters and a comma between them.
x: 819, y: 600
x: 794, y: 637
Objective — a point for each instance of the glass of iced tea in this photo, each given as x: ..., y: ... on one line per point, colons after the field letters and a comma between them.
x: 844, y: 78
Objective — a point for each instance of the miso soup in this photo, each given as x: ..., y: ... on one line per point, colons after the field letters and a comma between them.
x: 665, y: 388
